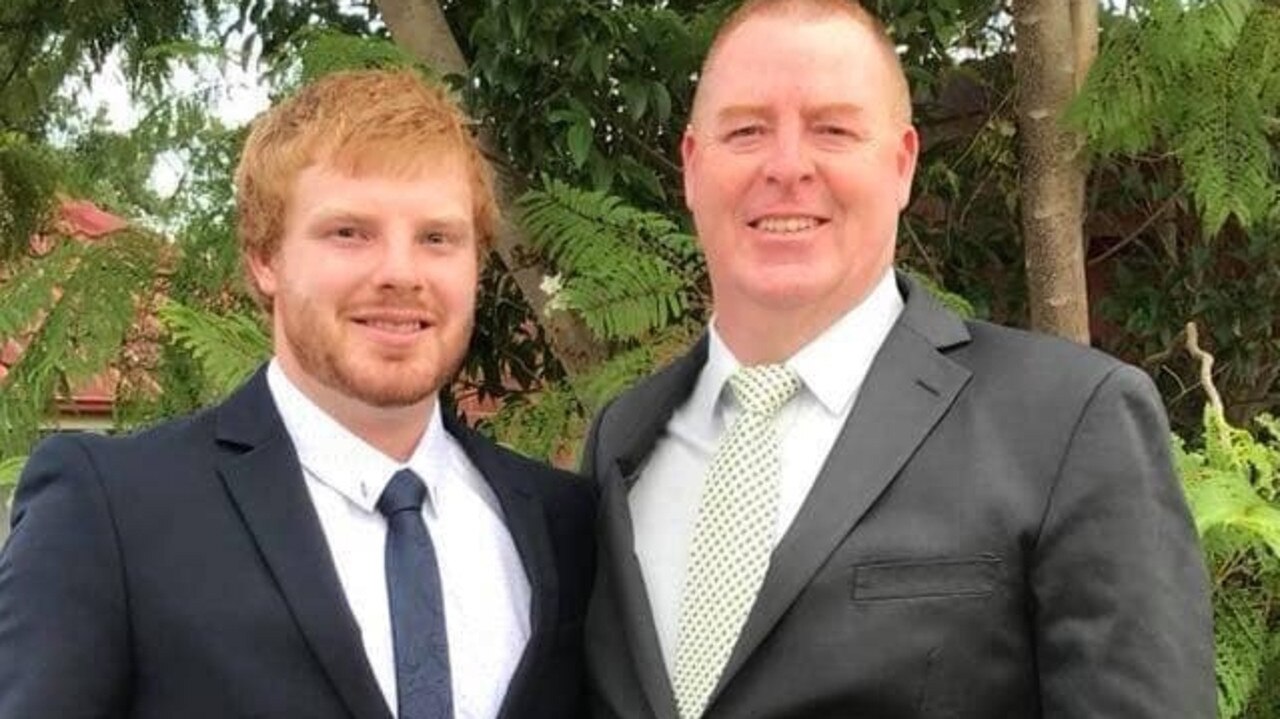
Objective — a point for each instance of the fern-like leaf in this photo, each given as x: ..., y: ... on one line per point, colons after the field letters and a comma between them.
x: 625, y: 271
x: 1200, y: 80
x: 1230, y: 487
x: 229, y: 348
x: 80, y: 333
x: 548, y: 425
x: 10, y: 470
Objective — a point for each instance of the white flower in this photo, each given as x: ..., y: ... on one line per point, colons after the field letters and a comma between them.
x: 553, y: 287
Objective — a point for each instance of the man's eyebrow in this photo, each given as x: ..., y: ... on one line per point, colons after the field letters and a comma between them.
x: 736, y: 112
x: 337, y: 213
x: 837, y: 108
x: 449, y: 223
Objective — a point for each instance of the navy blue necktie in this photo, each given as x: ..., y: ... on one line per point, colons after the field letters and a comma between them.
x: 417, y: 603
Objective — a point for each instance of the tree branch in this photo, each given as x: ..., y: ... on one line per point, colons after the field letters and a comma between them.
x: 1129, y: 238
x: 1206, y: 368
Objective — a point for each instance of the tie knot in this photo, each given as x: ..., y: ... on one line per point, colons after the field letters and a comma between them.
x: 405, y: 491
x: 763, y: 389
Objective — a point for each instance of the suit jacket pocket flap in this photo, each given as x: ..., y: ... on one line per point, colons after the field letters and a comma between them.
x: 974, y: 576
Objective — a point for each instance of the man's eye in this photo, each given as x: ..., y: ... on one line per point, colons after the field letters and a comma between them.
x: 434, y: 238
x: 745, y: 131
x: 345, y: 233
x: 836, y: 130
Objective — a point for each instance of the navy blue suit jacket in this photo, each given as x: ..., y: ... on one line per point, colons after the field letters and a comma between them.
x: 183, y: 572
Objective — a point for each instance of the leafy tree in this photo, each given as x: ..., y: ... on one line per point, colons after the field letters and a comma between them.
x: 1199, y: 80
x: 1180, y: 117
x: 1232, y: 484
x: 43, y: 45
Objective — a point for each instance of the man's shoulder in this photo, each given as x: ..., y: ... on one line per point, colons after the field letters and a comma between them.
x: 1019, y: 344
x: 145, y: 451
x: 1047, y: 364
x: 175, y: 436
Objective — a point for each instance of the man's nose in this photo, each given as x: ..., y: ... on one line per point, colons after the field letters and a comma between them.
x: 790, y: 159
x: 399, y: 261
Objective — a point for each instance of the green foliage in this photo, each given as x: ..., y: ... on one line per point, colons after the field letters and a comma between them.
x: 45, y: 42
x: 275, y: 26
x: 545, y: 425
x: 962, y: 227
x: 550, y: 423
x: 77, y: 305
x: 10, y: 470
x: 509, y: 352
x: 1197, y: 79
x: 1232, y: 484
x: 623, y: 369
x: 591, y: 93
x: 324, y: 50
x: 1230, y: 287
x: 28, y: 177
x: 950, y: 300
x: 625, y: 271
x: 1244, y: 646
x: 228, y: 347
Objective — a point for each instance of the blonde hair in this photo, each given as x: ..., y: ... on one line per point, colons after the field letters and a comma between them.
x: 358, y: 122
x: 817, y: 10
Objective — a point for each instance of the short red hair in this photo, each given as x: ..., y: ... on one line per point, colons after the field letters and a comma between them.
x: 367, y: 121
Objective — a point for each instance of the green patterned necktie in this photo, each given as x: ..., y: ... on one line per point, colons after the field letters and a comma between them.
x: 733, y: 537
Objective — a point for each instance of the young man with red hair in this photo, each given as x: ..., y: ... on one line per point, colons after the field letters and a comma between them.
x: 325, y: 542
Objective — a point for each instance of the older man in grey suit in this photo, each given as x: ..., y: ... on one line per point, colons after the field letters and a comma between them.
x: 847, y: 502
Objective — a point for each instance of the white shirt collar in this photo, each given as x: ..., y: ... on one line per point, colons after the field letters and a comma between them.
x: 345, y: 462
x: 831, y: 366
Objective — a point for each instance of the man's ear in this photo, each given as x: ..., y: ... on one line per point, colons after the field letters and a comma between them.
x: 262, y: 271
x: 688, y: 145
x: 908, y: 153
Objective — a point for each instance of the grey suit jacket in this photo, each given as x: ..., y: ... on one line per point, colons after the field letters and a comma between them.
x: 997, y: 533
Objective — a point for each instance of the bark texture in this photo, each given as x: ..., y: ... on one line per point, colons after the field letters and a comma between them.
x: 1053, y: 55
x: 420, y: 27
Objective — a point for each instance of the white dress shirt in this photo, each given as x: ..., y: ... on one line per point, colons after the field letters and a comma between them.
x: 486, y: 591
x: 664, y: 501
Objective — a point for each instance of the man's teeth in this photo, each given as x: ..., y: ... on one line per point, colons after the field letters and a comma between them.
x: 402, y: 327
x: 782, y: 225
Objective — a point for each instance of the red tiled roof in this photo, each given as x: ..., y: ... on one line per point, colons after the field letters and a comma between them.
x: 84, y: 221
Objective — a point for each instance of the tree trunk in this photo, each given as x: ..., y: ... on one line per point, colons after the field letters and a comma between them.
x: 419, y: 26
x: 1053, y: 54
x: 1084, y: 30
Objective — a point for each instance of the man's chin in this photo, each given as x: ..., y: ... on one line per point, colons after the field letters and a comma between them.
x: 395, y: 399
x: 389, y: 395
x: 382, y: 387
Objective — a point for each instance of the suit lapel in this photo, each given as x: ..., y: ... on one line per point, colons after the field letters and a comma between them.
x: 908, y: 389
x: 655, y: 401
x: 265, y: 481
x: 526, y: 521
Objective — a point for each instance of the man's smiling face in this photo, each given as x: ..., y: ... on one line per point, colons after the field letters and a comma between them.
x: 373, y: 285
x: 797, y: 162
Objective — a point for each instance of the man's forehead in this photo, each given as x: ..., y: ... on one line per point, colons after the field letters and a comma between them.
x: 745, y: 39
x: 758, y: 43
x: 806, y: 48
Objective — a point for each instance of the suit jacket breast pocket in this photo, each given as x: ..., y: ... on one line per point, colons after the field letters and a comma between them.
x: 927, y: 578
